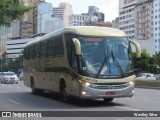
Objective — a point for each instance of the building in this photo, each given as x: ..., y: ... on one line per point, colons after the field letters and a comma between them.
x: 127, y: 17
x: 78, y: 20
x: 94, y: 11
x: 115, y: 23
x: 44, y: 20
x: 14, y: 46
x: 63, y: 12
x: 135, y: 19
x: 157, y: 25
x: 144, y: 19
x: 20, y: 29
x: 5, y: 32
x: 92, y: 18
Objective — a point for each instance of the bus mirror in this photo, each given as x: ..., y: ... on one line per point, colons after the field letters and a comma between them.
x: 138, y: 48
x: 77, y: 46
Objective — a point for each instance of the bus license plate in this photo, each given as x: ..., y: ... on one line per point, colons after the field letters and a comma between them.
x: 110, y: 93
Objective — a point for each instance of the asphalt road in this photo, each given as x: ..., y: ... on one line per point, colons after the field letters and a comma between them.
x: 17, y: 97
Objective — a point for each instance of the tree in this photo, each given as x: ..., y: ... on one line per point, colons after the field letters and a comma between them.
x: 16, y: 64
x: 11, y: 10
x: 147, y: 63
x: 157, y: 58
x: 142, y: 63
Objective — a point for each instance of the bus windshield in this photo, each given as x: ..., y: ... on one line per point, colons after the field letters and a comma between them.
x: 106, y: 57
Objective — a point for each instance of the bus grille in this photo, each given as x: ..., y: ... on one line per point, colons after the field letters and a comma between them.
x: 121, y: 86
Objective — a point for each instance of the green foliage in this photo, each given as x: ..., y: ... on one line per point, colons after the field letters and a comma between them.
x: 11, y: 10
x: 14, y: 65
x: 147, y: 63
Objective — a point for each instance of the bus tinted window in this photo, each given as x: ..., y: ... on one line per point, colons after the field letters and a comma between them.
x: 42, y: 49
x: 31, y: 51
x: 59, y: 50
x: 36, y: 51
x: 50, y: 47
x: 26, y: 53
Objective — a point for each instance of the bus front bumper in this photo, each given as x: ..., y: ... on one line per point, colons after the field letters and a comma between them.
x: 110, y: 92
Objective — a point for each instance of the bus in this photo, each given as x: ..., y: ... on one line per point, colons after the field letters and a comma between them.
x: 86, y: 62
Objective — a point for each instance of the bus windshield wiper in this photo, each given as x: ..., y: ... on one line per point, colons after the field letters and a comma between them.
x: 115, y: 61
x: 103, y: 63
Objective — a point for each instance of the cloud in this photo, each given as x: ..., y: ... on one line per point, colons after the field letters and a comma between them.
x: 110, y: 10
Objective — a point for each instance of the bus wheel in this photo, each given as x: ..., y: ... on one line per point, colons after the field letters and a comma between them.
x: 108, y: 99
x: 63, y: 93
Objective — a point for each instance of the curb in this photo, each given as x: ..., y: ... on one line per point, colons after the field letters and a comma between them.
x: 148, y: 85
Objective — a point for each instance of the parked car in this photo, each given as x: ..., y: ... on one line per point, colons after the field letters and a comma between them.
x: 146, y: 76
x: 21, y: 76
x: 9, y: 77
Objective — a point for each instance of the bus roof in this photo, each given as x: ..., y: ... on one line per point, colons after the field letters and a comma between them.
x: 83, y: 30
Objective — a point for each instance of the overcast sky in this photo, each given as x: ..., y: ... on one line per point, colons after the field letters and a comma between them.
x: 108, y: 7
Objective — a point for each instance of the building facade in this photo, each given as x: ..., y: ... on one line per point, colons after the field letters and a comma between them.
x: 78, y: 20
x: 136, y: 20
x: 157, y: 25
x: 5, y: 32
x: 115, y: 23
x: 127, y: 17
x: 44, y: 20
x: 63, y: 12
x: 14, y: 46
x: 144, y: 19
x: 94, y: 11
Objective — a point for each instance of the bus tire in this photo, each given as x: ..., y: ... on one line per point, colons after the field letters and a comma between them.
x: 108, y: 100
x: 34, y: 90
x: 63, y: 93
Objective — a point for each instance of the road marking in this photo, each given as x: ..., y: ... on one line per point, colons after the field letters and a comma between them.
x: 141, y: 98
x: 13, y: 101
x: 133, y: 109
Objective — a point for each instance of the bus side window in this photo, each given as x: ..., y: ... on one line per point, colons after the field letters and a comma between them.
x: 50, y: 47
x: 31, y: 51
x: 42, y: 49
x: 26, y: 53
x: 36, y: 51
x: 59, y: 49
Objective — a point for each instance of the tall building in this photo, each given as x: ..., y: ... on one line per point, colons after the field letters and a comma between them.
x: 157, y: 24
x: 24, y: 28
x: 127, y: 17
x: 135, y: 19
x: 144, y: 19
x: 44, y: 20
x: 63, y: 12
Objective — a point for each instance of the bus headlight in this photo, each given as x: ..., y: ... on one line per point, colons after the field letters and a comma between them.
x: 131, y: 82
x: 87, y: 84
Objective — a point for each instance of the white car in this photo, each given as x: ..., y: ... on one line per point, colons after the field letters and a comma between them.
x: 146, y: 76
x: 9, y: 77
